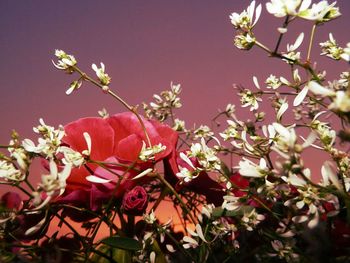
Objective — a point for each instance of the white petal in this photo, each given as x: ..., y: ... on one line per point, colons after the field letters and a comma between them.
x: 281, y: 130
x: 190, y: 240
x: 309, y: 140
x: 256, y: 83
x: 35, y: 228
x: 152, y: 257
x: 319, y: 90
x: 282, y: 30
x: 298, y: 41
x: 304, y: 5
x: 282, y: 110
x: 328, y: 172
x: 53, y: 168
x: 97, y: 180
x: 143, y: 173
x: 170, y: 248
x: 70, y: 90
x: 94, y: 67
x: 257, y: 14
x: 186, y: 159
x: 200, y: 232
x: 66, y: 172
x: 88, y: 141
x: 300, y: 97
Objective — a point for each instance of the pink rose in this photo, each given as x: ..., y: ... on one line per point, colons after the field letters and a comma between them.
x: 135, y: 201
x: 116, y: 140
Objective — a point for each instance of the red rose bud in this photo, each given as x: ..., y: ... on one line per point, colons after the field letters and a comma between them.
x: 135, y: 201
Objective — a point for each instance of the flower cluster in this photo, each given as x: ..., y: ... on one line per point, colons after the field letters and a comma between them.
x: 244, y: 192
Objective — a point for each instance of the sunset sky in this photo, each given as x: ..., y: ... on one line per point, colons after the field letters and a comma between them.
x: 145, y: 46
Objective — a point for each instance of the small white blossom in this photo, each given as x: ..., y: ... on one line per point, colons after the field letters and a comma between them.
x: 331, y: 49
x: 321, y: 12
x: 250, y: 169
x: 248, y: 98
x: 341, y: 101
x: 76, y: 84
x: 103, y: 113
x: 245, y: 19
x: 291, y: 54
x: 251, y: 218
x: 9, y: 172
x: 231, y: 131
x: 150, y: 218
x: 71, y: 157
x: 206, y: 156
x: 244, y: 41
x: 148, y: 153
x: 65, y: 61
x: 102, y: 76
x: 55, y: 182
x: 273, y: 82
x: 203, y: 132
x: 281, y: 8
x: 179, y: 125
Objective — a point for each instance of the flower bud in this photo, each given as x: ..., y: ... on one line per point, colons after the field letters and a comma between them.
x: 135, y: 201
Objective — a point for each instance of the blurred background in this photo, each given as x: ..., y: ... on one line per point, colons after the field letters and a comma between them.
x: 145, y: 45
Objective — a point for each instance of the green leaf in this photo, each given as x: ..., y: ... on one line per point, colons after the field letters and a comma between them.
x: 122, y: 243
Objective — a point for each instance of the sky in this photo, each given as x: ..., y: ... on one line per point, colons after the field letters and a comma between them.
x: 145, y: 46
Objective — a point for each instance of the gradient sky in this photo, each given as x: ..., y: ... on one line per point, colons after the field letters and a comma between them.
x: 145, y: 45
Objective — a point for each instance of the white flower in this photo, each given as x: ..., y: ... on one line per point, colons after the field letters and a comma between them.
x: 102, y: 76
x: 71, y: 157
x: 281, y: 8
x: 272, y: 82
x: 76, y: 84
x: 291, y: 49
x: 103, y: 113
x: 251, y: 218
x: 250, y: 169
x: 321, y: 12
x: 49, y: 143
x: 179, y: 125
x: 65, y: 62
x: 55, y: 181
x: 9, y: 172
x: 231, y: 131
x: 248, y: 98
x: 203, y: 132
x: 346, y: 53
x: 245, y: 20
x: 206, y: 156
x: 231, y: 203
x: 147, y: 153
x: 341, y: 101
x: 244, y: 41
x: 191, y: 242
x: 186, y: 174
x: 331, y: 49
x: 150, y: 218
